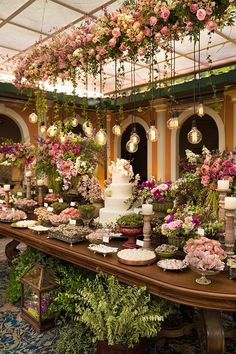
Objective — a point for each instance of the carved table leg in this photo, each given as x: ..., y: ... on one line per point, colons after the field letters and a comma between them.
x: 11, y: 251
x: 211, y: 332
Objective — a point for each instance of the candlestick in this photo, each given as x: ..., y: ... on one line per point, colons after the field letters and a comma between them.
x: 229, y: 232
x: 147, y: 209
x: 7, y: 198
x: 221, y: 213
x: 147, y: 230
x: 230, y: 203
x: 223, y: 185
x: 6, y: 187
x: 40, y: 195
x: 28, y: 187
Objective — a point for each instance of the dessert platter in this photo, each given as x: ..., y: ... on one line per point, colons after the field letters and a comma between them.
x: 172, y: 264
x: 136, y: 257
x: 102, y: 249
x: 69, y: 233
x: 11, y: 216
x: 39, y: 228
x: 24, y: 224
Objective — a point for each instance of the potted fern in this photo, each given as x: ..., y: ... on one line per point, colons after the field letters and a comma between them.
x: 130, y: 225
x: 120, y: 316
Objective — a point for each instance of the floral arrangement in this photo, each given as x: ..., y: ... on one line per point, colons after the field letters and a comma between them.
x: 16, y: 154
x: 25, y: 203
x: 12, y: 215
x: 63, y: 161
x: 204, y: 254
x: 121, y: 167
x: 135, y: 29
x: 152, y: 192
x: 89, y: 188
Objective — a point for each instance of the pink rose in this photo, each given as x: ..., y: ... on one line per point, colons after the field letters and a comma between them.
x: 148, y: 32
x: 165, y: 30
x: 139, y: 37
x: 112, y: 42
x: 201, y: 14
x: 153, y: 20
x: 209, y: 11
x: 122, y: 47
x: 158, y: 37
x: 165, y: 13
x: 193, y: 8
x: 211, y: 26
x: 113, y: 15
x: 116, y: 32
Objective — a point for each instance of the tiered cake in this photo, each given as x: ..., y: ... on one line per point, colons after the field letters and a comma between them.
x: 119, y: 191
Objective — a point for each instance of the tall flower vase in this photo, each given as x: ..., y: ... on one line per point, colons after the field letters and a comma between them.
x: 16, y: 177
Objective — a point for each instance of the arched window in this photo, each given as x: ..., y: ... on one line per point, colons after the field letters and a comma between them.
x: 9, y: 129
x: 139, y: 158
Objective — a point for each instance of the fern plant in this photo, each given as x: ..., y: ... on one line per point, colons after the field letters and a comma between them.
x: 120, y: 314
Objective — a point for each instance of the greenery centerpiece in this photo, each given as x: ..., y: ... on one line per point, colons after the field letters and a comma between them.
x: 130, y: 225
x: 120, y: 314
x: 87, y: 213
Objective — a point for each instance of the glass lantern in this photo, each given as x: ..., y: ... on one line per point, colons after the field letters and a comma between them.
x: 38, y: 288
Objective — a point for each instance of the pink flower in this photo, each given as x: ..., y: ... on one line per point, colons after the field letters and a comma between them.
x: 153, y: 20
x: 201, y: 14
x: 215, y: 167
x: 165, y: 13
x: 122, y: 47
x: 193, y: 8
x: 209, y: 11
x: 112, y: 42
x: 148, y: 32
x: 113, y: 15
x: 91, y: 52
x: 139, y: 37
x: 116, y: 32
x: 205, y: 169
x: 205, y: 180
x: 211, y: 26
x: 165, y: 30
x: 158, y: 37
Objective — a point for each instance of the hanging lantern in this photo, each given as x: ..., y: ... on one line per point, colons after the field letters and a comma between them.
x: 173, y: 122
x: 194, y: 136
x: 74, y: 122
x: 116, y: 129
x: 33, y: 118
x: 134, y: 137
x: 88, y: 128
x: 52, y: 130
x: 43, y: 128
x: 131, y: 146
x: 101, y: 137
x: 200, y: 108
x: 152, y: 133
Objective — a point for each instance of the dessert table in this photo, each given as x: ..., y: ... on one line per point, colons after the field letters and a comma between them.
x: 179, y: 287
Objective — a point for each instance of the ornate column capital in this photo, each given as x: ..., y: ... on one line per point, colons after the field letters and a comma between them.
x: 160, y: 104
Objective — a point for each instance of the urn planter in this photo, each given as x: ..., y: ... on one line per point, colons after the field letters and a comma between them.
x: 104, y: 348
x: 131, y: 233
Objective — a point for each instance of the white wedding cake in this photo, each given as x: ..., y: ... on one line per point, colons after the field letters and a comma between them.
x: 118, y: 192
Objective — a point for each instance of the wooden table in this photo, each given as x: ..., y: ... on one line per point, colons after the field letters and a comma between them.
x: 179, y: 287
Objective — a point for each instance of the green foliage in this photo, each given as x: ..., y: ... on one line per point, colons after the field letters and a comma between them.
x: 59, y: 207
x: 75, y: 338
x: 87, y: 211
x: 131, y: 220
x: 120, y: 314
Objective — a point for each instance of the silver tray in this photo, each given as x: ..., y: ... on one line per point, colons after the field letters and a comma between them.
x: 70, y: 240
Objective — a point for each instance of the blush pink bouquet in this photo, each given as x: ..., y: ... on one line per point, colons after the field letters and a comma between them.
x: 204, y: 254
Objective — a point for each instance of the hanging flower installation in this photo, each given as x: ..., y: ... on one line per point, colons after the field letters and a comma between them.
x: 128, y: 32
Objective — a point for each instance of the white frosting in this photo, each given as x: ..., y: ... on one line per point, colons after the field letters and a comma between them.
x: 121, y: 190
x: 108, y: 215
x: 118, y: 204
x: 118, y: 179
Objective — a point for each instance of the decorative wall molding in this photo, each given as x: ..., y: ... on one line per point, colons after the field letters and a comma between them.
x: 117, y: 141
x: 175, y: 136
x: 25, y: 135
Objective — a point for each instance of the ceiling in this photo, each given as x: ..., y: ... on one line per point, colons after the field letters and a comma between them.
x: 23, y: 22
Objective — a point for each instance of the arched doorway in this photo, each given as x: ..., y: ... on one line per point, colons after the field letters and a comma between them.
x: 139, y: 158
x: 210, y: 135
x: 9, y: 129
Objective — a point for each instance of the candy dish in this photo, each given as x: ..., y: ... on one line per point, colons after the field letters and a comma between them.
x: 172, y: 264
x: 166, y: 251
x: 39, y: 228
x: 102, y: 249
x: 24, y: 224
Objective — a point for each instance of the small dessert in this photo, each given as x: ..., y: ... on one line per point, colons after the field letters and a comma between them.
x: 24, y: 223
x: 172, y: 264
x: 51, y: 198
x: 69, y: 233
x: 10, y: 215
x: 103, y: 249
x: 25, y: 203
x: 136, y: 255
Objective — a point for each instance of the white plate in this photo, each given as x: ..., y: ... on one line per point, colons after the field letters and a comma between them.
x: 102, y: 249
x: 172, y: 264
x: 39, y: 228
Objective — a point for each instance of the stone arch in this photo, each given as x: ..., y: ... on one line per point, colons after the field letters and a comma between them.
x: 18, y: 120
x: 117, y: 141
x: 175, y: 136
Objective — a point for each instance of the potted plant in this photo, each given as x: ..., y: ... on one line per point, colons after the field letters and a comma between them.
x: 130, y: 225
x: 120, y: 316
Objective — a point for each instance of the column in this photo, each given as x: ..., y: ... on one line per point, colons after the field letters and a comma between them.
x: 232, y: 94
x: 160, y: 106
x: 108, y: 151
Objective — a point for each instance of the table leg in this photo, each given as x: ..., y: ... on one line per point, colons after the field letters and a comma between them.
x: 211, y: 332
x: 11, y: 251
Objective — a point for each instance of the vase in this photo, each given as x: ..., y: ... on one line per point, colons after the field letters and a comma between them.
x: 131, y: 233
x: 203, y: 279
x: 104, y: 348
x: 177, y: 241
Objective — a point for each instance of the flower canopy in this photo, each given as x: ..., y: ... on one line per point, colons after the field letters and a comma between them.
x: 136, y: 30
